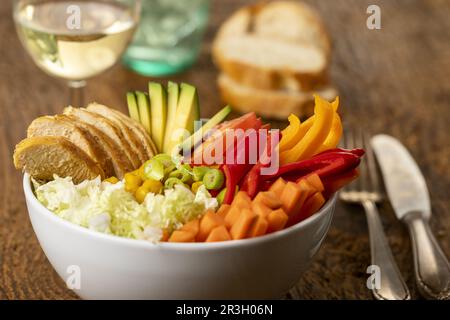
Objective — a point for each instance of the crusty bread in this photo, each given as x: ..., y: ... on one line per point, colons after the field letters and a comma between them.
x: 141, y: 139
x: 108, y: 128
x: 279, y: 45
x: 128, y: 134
x: 42, y: 157
x: 270, y: 103
x: 115, y: 155
x: 63, y: 126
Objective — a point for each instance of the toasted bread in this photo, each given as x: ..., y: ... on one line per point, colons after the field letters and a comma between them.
x: 277, y: 104
x: 42, y: 157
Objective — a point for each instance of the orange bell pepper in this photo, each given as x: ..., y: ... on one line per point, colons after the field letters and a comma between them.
x: 315, y: 136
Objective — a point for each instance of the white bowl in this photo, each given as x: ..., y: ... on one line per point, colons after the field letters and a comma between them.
x: 111, y: 267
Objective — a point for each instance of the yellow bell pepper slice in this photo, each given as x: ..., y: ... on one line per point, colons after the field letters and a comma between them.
x: 334, y: 136
x: 315, y: 136
x: 289, y: 135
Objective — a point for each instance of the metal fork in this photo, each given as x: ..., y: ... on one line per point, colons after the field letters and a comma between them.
x: 366, y: 192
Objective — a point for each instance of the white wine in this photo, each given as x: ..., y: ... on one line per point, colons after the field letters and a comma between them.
x: 74, y: 49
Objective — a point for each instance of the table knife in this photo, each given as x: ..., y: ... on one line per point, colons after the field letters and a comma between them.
x: 408, y: 193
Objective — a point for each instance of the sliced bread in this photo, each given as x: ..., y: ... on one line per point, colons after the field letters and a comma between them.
x: 42, y: 157
x: 276, y: 45
x: 277, y: 104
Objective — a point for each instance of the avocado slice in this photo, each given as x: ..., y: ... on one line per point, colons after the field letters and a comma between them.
x: 133, y: 109
x: 144, y: 111
x: 196, y: 138
x: 173, y: 92
x: 186, y: 111
x: 158, y: 98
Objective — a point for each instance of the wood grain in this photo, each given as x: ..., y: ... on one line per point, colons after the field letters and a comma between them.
x: 394, y: 80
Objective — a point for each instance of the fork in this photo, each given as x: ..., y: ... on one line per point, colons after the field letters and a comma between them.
x: 366, y: 192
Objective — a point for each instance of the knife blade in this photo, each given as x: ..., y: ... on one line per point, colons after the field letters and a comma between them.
x: 405, y: 184
x: 408, y: 193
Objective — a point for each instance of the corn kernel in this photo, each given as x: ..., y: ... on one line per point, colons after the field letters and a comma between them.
x: 140, y: 194
x: 112, y: 180
x: 153, y: 186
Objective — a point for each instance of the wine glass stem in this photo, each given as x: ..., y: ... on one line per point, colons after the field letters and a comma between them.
x: 77, y: 93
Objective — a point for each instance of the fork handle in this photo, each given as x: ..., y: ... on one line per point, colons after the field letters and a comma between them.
x: 392, y: 286
x: 432, y: 269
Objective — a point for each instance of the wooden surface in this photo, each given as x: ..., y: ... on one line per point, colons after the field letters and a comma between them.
x: 394, y: 80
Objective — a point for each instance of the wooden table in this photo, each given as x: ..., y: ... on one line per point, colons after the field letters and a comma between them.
x: 394, y: 80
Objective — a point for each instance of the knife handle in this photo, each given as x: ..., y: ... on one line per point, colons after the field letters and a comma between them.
x: 392, y: 286
x: 432, y: 269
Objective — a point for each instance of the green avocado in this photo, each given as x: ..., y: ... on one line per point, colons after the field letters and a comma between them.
x: 173, y: 92
x: 133, y: 109
x: 145, y: 114
x: 158, y: 98
x: 196, y: 138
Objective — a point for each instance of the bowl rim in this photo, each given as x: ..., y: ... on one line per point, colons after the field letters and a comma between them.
x: 42, y: 210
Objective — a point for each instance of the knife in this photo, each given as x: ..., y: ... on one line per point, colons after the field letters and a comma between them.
x: 408, y: 193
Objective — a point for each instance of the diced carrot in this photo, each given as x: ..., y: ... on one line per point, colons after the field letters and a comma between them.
x: 311, y: 206
x: 192, y: 226
x: 209, y: 221
x: 268, y: 198
x: 182, y: 236
x: 278, y: 187
x: 294, y: 195
x: 260, y: 208
x: 258, y: 228
x: 219, y: 234
x: 223, y: 210
x: 240, y: 228
x: 276, y: 220
x: 242, y: 200
x: 165, y: 236
x: 314, y: 180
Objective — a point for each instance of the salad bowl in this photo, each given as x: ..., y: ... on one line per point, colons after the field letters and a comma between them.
x: 101, y: 266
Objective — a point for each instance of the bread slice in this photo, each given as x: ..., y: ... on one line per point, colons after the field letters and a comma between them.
x: 115, y: 155
x: 279, y: 45
x: 129, y: 135
x: 42, y: 157
x: 108, y: 128
x: 141, y: 139
x: 277, y: 104
x: 62, y: 126
x: 140, y: 131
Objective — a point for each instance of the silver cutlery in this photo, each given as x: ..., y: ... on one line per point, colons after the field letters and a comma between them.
x: 366, y: 192
x: 408, y: 193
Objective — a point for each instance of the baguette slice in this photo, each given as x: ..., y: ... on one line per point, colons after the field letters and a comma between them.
x: 277, y: 45
x: 42, y: 157
x: 65, y: 127
x: 276, y: 104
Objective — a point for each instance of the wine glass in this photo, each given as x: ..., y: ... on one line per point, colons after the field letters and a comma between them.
x: 76, y: 40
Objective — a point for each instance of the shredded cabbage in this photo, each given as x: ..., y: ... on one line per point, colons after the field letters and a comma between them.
x: 108, y: 208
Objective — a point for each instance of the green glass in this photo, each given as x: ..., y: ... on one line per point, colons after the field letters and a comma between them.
x: 169, y: 36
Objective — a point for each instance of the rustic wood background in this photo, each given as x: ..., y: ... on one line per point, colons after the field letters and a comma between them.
x: 394, y: 80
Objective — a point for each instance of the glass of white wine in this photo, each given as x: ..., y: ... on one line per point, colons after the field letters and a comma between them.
x: 78, y: 39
